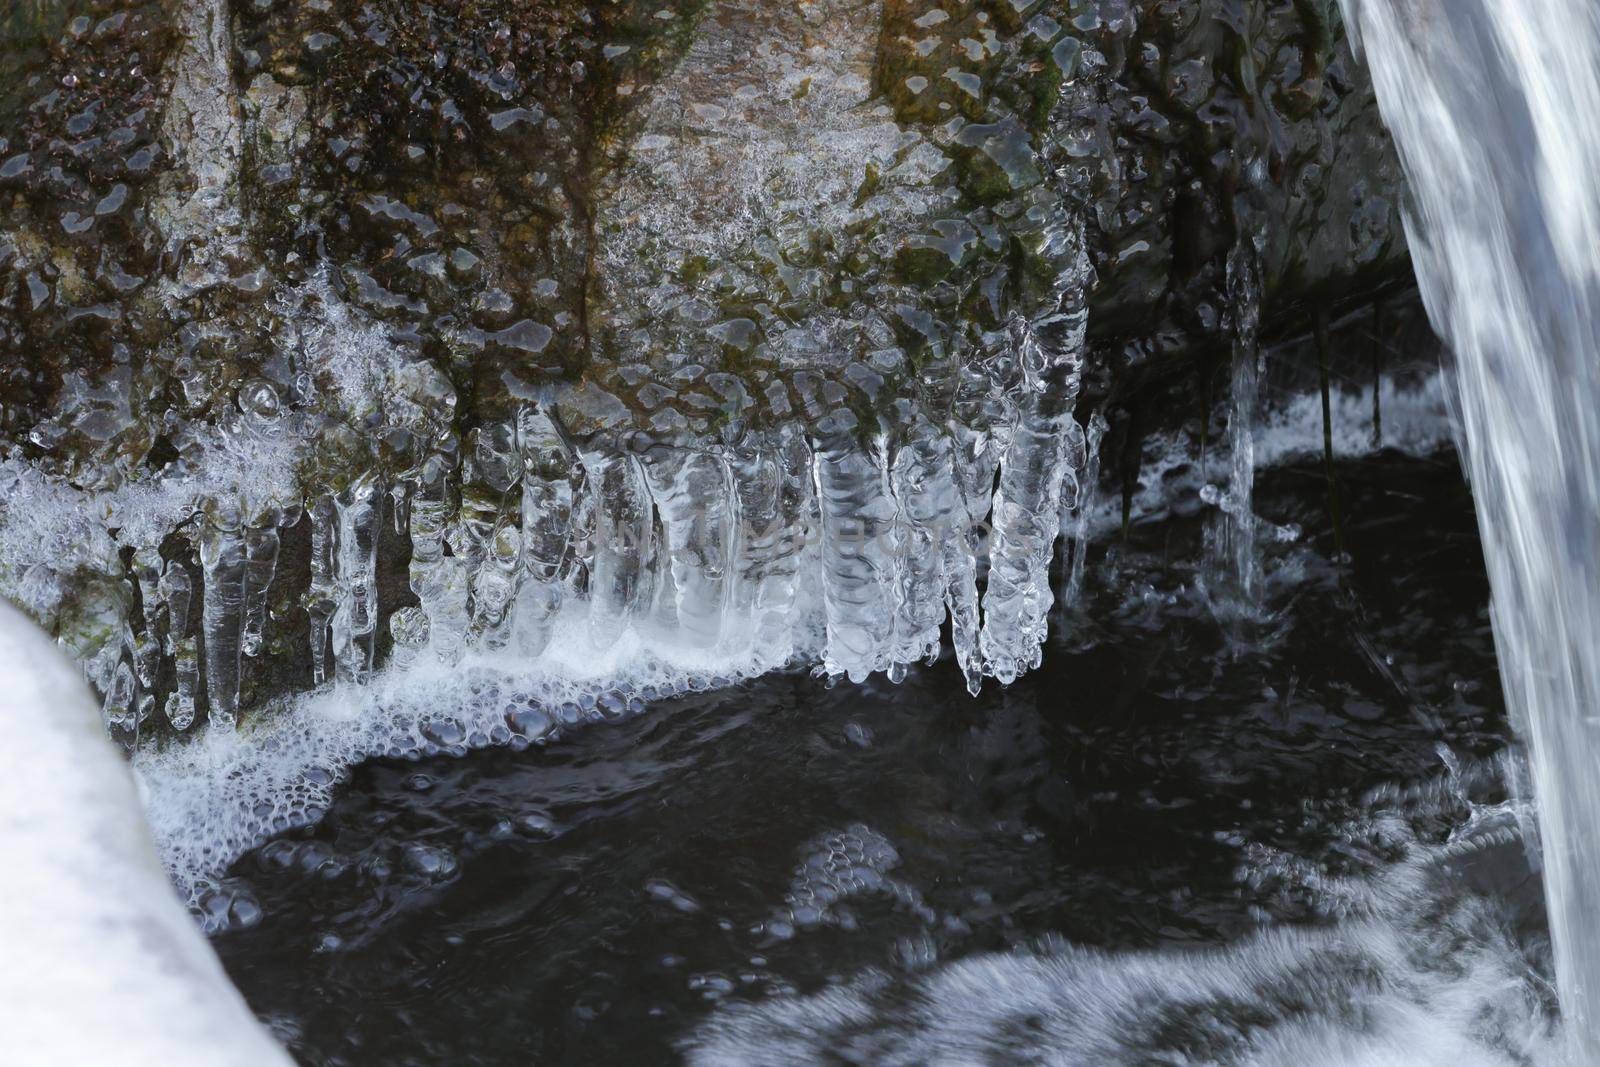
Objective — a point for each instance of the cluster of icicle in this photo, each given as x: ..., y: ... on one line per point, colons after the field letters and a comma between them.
x: 235, y: 533
x: 786, y: 541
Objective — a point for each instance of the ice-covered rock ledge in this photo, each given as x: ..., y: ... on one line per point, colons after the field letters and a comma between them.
x: 273, y: 276
x: 370, y: 374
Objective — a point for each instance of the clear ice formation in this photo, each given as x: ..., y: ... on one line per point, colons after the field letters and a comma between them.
x: 1044, y: 462
x: 176, y: 593
x: 826, y: 402
x: 758, y: 540
x: 355, y: 618
x: 222, y: 560
x: 1233, y: 562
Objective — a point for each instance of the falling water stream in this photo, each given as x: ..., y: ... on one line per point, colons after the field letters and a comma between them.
x: 1493, y: 106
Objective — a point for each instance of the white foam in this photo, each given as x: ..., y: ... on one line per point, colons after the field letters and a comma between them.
x: 102, y: 964
x: 1075, y: 1006
x: 212, y: 798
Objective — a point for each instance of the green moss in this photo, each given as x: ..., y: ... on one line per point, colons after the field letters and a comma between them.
x: 921, y: 264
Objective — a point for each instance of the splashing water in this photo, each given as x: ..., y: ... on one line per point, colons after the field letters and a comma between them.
x: 1492, y: 105
x: 1416, y: 969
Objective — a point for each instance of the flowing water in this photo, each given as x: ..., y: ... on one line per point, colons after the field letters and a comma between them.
x: 1493, y: 107
x: 1153, y: 848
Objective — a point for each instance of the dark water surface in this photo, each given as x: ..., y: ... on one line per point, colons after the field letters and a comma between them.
x: 592, y: 901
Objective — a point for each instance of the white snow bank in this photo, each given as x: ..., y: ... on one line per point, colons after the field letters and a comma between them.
x: 101, y: 962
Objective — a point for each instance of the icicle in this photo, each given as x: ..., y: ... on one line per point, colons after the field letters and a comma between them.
x: 1045, y: 450
x: 691, y: 493
x: 1234, y: 537
x: 623, y: 544
x: 322, y: 596
x: 147, y: 647
x: 496, y: 585
x: 491, y: 516
x: 222, y: 560
x: 924, y: 487
x: 1088, y: 493
x: 794, y: 524
x: 1027, y: 510
x: 409, y: 628
x: 974, y: 462
x: 400, y: 506
x: 753, y: 466
x: 858, y: 563
x: 438, y: 580
x: 261, y: 560
x: 549, y: 479
x: 773, y: 495
x: 660, y: 614
x: 577, y: 570
x: 118, y: 709
x: 355, y: 620
x: 468, y: 537
x: 177, y: 591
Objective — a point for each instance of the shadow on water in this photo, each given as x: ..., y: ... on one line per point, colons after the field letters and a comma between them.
x: 597, y: 900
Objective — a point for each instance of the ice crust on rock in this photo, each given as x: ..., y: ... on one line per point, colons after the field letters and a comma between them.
x: 789, y: 411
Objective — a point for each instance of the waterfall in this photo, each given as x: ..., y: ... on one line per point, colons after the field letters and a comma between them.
x: 1493, y: 106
